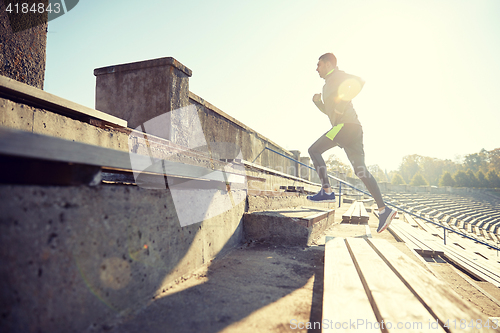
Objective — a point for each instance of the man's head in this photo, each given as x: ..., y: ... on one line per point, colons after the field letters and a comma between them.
x: 326, y: 63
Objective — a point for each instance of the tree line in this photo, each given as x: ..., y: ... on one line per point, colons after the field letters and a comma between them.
x: 480, y: 170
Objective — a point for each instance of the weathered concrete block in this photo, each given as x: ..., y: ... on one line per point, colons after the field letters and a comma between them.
x: 59, y: 126
x: 16, y: 116
x: 295, y: 227
x: 73, y: 258
x: 30, y: 119
x: 22, y: 55
x: 140, y: 91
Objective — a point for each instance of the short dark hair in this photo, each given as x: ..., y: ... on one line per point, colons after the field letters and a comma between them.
x: 329, y: 57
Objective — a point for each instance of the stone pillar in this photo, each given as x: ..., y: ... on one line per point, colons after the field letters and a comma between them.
x: 23, y: 41
x: 296, y: 156
x: 140, y: 91
x: 304, y: 172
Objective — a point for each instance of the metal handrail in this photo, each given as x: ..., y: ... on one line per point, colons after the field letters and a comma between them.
x: 390, y: 204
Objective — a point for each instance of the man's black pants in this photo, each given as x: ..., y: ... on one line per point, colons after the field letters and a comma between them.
x: 350, y: 138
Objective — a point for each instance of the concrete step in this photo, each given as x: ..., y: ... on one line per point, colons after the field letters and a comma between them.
x: 299, y: 226
x: 258, y: 201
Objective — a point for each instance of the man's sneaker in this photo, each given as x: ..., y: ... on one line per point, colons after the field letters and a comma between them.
x: 385, y: 219
x: 322, y: 196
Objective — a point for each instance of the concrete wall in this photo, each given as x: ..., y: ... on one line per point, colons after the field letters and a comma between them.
x: 22, y: 55
x: 153, y: 92
x: 75, y: 257
x: 220, y: 127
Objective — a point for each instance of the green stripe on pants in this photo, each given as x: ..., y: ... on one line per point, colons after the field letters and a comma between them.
x: 334, y: 131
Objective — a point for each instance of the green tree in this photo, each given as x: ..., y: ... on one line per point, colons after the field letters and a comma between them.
x: 431, y: 168
x: 334, y: 165
x: 460, y: 179
x: 481, y: 178
x: 471, y: 179
x: 446, y: 180
x: 410, y: 166
x: 476, y: 161
x: 418, y: 180
x: 397, y: 180
x: 493, y: 179
x: 377, y: 173
x: 494, y: 160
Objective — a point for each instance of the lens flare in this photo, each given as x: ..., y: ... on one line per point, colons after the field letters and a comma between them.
x: 348, y: 89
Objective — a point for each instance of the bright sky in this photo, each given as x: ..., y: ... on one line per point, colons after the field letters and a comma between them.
x: 431, y: 66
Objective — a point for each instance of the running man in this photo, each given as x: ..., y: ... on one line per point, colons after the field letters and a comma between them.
x: 339, y: 89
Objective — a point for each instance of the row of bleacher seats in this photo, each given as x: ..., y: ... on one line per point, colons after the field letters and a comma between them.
x: 473, y: 216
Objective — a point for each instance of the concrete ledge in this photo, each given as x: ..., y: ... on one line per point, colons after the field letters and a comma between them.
x: 273, y: 193
x: 32, y: 96
x: 160, y: 62
x: 28, y: 145
x: 259, y: 203
x: 26, y: 118
x: 295, y: 227
x: 31, y: 119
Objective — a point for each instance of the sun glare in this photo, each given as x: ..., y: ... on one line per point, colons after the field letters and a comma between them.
x: 349, y: 89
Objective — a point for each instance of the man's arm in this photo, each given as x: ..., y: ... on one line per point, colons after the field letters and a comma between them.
x: 318, y: 102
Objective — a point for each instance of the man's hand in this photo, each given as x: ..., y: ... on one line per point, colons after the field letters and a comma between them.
x: 317, y: 98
